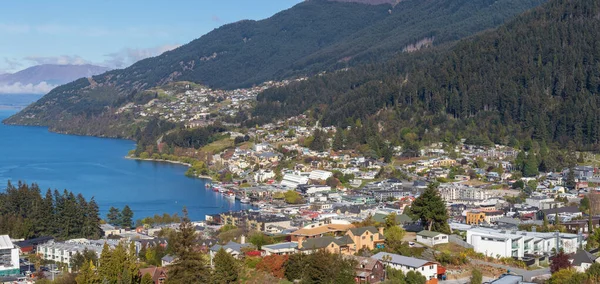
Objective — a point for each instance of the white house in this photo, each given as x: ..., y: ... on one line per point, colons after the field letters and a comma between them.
x: 505, y: 243
x: 280, y: 248
x: 406, y: 264
x: 320, y: 175
x: 9, y: 257
x: 431, y: 238
x: 292, y: 180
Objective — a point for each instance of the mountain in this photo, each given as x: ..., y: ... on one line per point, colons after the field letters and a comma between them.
x: 306, y: 39
x: 52, y: 74
x: 535, y: 80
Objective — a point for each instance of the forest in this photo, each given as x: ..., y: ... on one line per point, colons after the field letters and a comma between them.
x: 535, y: 78
x: 26, y: 213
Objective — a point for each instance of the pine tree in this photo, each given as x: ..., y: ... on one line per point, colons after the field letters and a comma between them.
x: 189, y: 265
x: 104, y: 269
x: 126, y: 217
x: 338, y: 140
x: 114, y: 216
x: 91, y: 226
x: 226, y: 268
x: 430, y: 209
x: 87, y: 275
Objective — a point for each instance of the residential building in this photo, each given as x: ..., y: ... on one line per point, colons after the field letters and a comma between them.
x: 320, y: 175
x: 158, y: 274
x: 280, y: 248
x: 292, y: 181
x: 233, y: 248
x: 9, y: 257
x: 354, y: 240
x: 475, y: 217
x: 431, y: 238
x: 317, y: 230
x: 30, y: 246
x: 368, y: 270
x: 582, y: 260
x: 503, y: 243
x: 429, y: 269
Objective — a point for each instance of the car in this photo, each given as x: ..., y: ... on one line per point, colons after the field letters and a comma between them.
x: 411, y: 244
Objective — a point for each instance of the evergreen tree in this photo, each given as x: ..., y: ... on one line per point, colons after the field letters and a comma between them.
x: 294, y: 267
x: 338, y: 140
x: 126, y: 217
x: 189, y: 265
x: 104, y: 267
x: 530, y: 169
x: 114, y: 216
x: 430, y: 209
x: 87, y: 275
x: 226, y: 268
x: 91, y: 226
x: 571, y: 178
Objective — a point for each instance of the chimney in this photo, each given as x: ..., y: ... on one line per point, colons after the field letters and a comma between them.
x: 380, y: 231
x: 242, y: 239
x: 300, y: 240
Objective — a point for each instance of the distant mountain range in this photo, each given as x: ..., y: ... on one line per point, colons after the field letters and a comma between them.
x: 46, y: 76
x: 309, y: 38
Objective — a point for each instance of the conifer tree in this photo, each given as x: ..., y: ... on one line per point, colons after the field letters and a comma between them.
x: 114, y: 216
x: 104, y: 269
x: 189, y: 265
x: 87, y: 275
x: 430, y: 209
x: 226, y: 268
x: 126, y: 217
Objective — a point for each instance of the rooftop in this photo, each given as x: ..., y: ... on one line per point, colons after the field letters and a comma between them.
x: 400, y: 259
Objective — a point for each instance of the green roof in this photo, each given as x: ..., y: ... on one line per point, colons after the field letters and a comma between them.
x: 362, y: 230
x: 400, y: 219
x: 426, y: 233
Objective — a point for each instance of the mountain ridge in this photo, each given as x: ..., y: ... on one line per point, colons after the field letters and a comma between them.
x: 308, y: 38
x: 56, y: 74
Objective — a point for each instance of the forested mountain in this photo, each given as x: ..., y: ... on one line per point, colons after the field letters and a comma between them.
x: 312, y: 36
x: 537, y: 77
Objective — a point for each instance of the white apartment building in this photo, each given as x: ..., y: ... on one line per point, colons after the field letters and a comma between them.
x: 9, y: 257
x: 406, y: 264
x: 503, y: 243
x: 320, y: 175
x: 292, y: 180
x: 453, y: 192
x: 63, y: 251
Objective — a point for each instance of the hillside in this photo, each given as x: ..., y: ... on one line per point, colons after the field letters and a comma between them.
x: 310, y: 37
x: 536, y: 77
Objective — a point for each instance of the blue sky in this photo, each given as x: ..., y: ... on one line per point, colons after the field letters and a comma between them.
x: 113, y: 33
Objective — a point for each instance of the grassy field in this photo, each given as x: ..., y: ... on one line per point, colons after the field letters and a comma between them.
x: 218, y: 146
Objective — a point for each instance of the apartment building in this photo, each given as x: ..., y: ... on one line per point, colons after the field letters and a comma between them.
x: 504, y: 243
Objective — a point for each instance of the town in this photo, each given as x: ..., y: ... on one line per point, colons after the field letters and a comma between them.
x: 462, y: 214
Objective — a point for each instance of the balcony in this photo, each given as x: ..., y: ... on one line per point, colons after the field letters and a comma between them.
x: 527, y: 247
x: 515, y: 246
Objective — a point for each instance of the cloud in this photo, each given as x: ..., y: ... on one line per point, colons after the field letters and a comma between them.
x: 128, y: 56
x: 216, y: 19
x: 18, y: 88
x: 14, y: 28
x: 60, y: 60
x: 10, y: 64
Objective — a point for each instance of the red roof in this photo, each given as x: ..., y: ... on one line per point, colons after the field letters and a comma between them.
x: 441, y: 270
x: 254, y: 253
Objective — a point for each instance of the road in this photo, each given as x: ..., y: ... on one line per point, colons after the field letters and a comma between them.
x: 527, y: 274
x: 463, y: 280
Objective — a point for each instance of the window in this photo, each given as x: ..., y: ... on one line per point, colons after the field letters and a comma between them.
x: 363, y: 237
x: 331, y: 245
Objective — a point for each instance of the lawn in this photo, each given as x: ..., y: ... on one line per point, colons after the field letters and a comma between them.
x: 218, y: 146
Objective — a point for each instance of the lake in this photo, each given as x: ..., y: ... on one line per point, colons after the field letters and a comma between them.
x: 96, y: 167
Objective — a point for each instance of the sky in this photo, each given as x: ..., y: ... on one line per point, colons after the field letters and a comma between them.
x: 113, y: 33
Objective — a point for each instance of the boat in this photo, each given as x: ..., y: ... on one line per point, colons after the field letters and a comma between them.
x: 245, y: 200
x: 229, y: 195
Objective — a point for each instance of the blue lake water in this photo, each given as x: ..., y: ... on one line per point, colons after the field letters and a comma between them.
x: 96, y: 167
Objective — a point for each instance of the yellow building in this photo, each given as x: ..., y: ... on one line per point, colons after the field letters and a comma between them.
x: 475, y: 217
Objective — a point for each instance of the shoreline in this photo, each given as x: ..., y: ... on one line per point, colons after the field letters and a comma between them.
x: 167, y: 161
